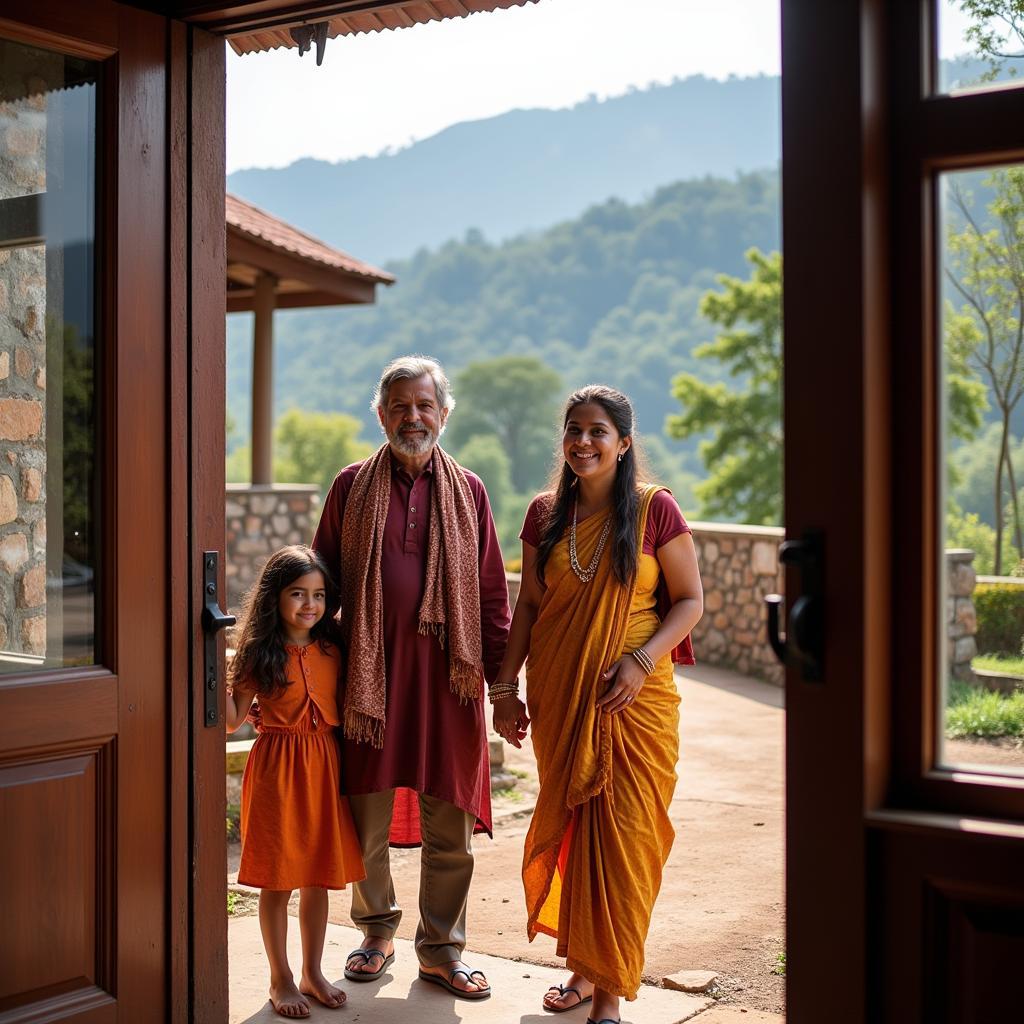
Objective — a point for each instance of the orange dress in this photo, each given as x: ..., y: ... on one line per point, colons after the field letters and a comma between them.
x: 297, y: 828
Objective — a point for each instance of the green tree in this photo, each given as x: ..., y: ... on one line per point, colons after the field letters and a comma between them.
x: 514, y: 399
x: 485, y: 456
x: 985, y: 267
x: 997, y: 24
x: 309, y: 448
x: 744, y: 454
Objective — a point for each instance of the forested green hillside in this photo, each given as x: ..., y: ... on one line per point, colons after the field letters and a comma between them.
x: 610, y: 296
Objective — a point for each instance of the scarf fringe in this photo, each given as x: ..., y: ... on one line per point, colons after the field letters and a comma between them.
x: 363, y: 728
x: 466, y: 681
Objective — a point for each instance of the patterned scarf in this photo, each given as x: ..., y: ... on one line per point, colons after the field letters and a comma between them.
x: 451, y: 596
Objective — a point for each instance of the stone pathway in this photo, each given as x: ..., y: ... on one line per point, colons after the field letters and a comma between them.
x: 400, y: 997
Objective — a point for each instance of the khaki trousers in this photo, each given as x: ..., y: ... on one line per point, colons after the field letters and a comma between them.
x: 446, y: 869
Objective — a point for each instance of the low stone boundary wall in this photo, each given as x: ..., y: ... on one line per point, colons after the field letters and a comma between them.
x: 258, y: 521
x: 739, y: 566
x: 961, y: 618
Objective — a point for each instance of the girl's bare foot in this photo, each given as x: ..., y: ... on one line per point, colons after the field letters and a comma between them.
x: 287, y: 1000
x: 575, y: 991
x: 317, y: 986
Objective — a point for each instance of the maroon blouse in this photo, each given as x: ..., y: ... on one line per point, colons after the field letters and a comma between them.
x: 664, y: 523
x: 432, y: 743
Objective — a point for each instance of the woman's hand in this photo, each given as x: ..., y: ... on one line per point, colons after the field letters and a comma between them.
x: 511, y: 720
x: 625, y: 678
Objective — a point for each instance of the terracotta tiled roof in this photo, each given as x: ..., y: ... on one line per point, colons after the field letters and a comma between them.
x: 263, y: 227
x: 370, y: 18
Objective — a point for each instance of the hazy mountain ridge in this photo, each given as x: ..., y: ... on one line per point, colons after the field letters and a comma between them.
x: 525, y: 169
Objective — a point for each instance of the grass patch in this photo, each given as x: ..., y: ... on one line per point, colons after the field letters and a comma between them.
x: 234, y: 823
x: 232, y: 902
x: 975, y: 711
x: 779, y: 967
x: 519, y: 773
x: 511, y: 793
x: 999, y: 663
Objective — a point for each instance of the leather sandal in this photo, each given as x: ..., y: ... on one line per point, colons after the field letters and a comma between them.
x: 462, y: 993
x: 368, y: 955
x: 561, y: 990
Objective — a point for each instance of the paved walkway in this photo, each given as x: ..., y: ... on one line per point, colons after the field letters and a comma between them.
x: 401, y: 997
x: 721, y: 905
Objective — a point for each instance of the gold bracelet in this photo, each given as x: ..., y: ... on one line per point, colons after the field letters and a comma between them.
x: 644, y: 660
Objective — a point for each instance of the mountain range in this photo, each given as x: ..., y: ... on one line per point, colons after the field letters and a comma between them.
x: 526, y: 169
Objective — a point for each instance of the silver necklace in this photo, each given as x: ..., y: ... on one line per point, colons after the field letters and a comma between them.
x: 586, y: 575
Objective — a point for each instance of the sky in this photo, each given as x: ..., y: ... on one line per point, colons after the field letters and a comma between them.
x: 385, y: 90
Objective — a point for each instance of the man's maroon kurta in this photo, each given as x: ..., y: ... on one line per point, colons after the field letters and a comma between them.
x: 432, y: 743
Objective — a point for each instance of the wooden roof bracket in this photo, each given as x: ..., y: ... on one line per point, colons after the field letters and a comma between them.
x: 306, y: 34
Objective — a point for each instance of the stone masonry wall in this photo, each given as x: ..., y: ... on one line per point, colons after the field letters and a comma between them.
x: 23, y: 372
x: 961, y: 619
x: 739, y: 565
x: 259, y: 520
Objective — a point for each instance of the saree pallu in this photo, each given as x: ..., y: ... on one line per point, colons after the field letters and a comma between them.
x: 600, y: 833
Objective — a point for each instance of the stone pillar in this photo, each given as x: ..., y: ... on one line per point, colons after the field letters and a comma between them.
x: 263, y: 381
x: 961, y: 620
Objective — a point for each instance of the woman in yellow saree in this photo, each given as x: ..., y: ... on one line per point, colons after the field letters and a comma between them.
x: 610, y: 592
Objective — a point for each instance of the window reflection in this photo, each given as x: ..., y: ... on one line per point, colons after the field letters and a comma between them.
x: 48, y: 473
x: 979, y: 44
x: 982, y: 322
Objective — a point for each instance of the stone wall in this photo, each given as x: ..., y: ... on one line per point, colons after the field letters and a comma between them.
x: 739, y: 565
x: 23, y: 368
x: 259, y: 520
x: 961, y: 620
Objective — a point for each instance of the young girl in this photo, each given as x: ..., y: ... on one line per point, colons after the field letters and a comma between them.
x: 297, y: 831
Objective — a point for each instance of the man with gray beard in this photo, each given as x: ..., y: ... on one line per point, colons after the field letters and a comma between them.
x: 425, y: 618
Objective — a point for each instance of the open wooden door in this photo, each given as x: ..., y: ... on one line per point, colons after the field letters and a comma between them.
x: 905, y: 900
x: 111, y: 487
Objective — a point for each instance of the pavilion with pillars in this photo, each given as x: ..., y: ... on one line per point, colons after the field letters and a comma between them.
x: 272, y: 265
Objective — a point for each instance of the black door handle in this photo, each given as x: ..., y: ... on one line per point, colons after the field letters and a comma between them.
x: 803, y: 644
x: 213, y: 621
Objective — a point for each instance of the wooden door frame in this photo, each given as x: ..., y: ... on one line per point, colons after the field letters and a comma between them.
x: 835, y: 202
x: 196, y: 312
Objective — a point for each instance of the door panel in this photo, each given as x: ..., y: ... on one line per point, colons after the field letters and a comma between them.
x: 903, y: 873
x: 84, y: 592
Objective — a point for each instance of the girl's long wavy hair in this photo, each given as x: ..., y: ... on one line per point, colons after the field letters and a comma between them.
x: 629, y: 473
x: 260, y: 654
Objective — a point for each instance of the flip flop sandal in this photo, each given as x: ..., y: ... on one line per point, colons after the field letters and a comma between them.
x: 561, y: 990
x: 368, y: 955
x: 462, y: 993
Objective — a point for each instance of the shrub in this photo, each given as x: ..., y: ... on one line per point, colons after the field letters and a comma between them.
x: 1000, y: 610
x: 976, y: 712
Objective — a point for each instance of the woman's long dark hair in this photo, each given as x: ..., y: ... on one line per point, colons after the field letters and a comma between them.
x: 260, y: 654
x: 625, y: 495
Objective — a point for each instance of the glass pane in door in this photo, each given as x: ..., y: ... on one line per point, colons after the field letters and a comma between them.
x: 49, y: 473
x: 979, y: 45
x: 981, y: 319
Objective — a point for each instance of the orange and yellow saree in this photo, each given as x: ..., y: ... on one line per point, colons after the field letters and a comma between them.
x: 600, y: 834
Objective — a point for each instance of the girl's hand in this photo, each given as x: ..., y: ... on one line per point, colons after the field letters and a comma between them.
x: 511, y: 720
x: 625, y: 677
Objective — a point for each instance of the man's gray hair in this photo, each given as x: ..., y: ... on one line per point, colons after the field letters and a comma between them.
x: 412, y: 368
